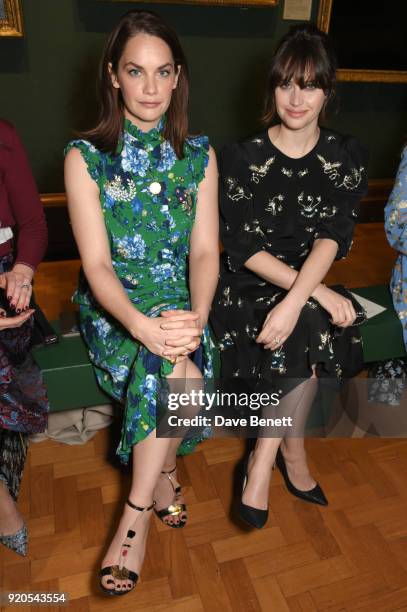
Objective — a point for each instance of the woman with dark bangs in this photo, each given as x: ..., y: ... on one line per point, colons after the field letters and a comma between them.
x: 142, y: 197
x: 289, y: 199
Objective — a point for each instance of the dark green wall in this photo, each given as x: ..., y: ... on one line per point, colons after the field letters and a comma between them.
x: 47, y: 79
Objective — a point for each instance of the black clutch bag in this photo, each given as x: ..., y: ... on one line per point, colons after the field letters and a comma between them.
x: 361, y: 315
x: 43, y: 333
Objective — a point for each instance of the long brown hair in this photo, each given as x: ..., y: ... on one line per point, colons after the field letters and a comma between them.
x: 304, y: 53
x: 108, y: 130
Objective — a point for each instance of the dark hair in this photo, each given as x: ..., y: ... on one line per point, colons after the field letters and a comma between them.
x: 303, y: 54
x: 107, y: 132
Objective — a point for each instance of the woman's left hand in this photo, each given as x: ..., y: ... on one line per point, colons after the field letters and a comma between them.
x: 279, y: 324
x: 18, y: 287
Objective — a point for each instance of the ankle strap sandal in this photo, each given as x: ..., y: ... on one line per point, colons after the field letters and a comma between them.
x: 176, y: 509
x: 120, y: 572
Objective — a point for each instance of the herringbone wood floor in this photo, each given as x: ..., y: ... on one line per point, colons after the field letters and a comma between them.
x: 349, y: 556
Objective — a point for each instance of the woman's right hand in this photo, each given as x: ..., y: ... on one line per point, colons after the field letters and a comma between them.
x: 17, y: 321
x: 340, y: 308
x: 155, y: 337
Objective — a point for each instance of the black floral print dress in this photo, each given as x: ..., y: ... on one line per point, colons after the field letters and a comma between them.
x: 278, y: 204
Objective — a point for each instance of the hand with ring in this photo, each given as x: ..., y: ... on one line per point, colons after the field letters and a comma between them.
x: 18, y: 287
x: 279, y: 324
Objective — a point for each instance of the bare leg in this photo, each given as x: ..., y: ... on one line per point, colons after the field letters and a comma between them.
x: 293, y: 448
x: 297, y: 403
x: 149, y: 457
x: 164, y: 492
x: 10, y: 518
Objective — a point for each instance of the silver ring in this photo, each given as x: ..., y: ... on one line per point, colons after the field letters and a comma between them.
x: 25, y: 286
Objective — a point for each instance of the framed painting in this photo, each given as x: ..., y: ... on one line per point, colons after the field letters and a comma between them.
x: 214, y: 2
x: 11, y: 21
x: 370, y: 38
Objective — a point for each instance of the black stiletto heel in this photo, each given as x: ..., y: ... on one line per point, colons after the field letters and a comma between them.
x: 255, y: 517
x: 315, y: 495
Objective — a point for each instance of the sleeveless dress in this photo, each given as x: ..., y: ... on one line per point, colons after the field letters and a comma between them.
x: 149, y: 230
x: 277, y: 204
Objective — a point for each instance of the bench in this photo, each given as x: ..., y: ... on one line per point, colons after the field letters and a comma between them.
x: 71, y: 383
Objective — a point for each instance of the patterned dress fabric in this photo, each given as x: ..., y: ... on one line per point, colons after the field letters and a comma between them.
x: 23, y: 398
x: 395, y: 225
x: 148, y: 198
x: 274, y: 203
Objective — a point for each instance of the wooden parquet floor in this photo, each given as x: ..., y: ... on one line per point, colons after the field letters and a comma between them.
x: 349, y: 556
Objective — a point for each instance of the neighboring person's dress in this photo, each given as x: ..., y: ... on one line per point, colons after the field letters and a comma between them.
x: 23, y: 399
x: 274, y: 203
x: 148, y: 198
x: 395, y: 223
x: 395, y: 214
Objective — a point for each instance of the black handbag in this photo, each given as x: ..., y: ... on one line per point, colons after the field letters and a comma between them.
x: 43, y: 333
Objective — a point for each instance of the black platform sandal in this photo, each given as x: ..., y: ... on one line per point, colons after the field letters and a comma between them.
x: 175, y: 509
x: 120, y: 572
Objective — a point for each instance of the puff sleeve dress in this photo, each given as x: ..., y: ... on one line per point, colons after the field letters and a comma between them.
x: 274, y: 203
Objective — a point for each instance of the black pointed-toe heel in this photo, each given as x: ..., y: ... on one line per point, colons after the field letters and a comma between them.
x: 255, y: 517
x: 315, y: 495
x: 120, y: 572
x: 175, y: 509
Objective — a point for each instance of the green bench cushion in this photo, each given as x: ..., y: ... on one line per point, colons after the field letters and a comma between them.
x: 383, y: 334
x: 68, y: 374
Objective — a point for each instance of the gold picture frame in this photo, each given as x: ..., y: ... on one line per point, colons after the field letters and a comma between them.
x: 357, y: 74
x: 11, y: 18
x: 263, y: 3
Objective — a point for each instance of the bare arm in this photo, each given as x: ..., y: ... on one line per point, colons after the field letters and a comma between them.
x: 204, y: 249
x: 301, y: 285
x: 90, y: 235
x: 203, y: 259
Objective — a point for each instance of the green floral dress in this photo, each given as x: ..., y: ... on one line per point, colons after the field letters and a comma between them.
x: 148, y: 198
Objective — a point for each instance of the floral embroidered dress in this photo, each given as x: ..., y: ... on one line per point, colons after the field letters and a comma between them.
x: 395, y: 225
x: 148, y: 198
x: 278, y: 204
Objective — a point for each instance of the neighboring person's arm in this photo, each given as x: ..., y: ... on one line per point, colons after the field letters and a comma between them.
x: 27, y: 210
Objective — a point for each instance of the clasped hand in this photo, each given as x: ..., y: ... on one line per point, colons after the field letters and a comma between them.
x: 174, y: 334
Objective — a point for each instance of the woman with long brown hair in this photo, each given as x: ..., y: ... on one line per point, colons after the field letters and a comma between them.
x: 142, y: 196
